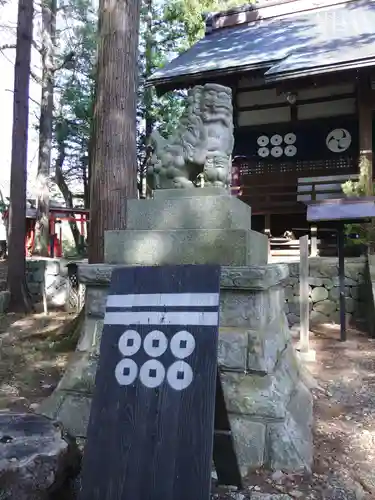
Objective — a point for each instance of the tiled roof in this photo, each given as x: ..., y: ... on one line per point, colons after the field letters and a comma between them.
x: 331, y: 38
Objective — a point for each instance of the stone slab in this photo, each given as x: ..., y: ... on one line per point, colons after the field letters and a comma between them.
x: 74, y: 413
x: 290, y: 446
x: 251, y: 309
x: 301, y: 406
x: 4, y: 301
x: 263, y: 396
x: 203, y: 212
x: 249, y: 442
x: 50, y: 406
x: 185, y: 246
x: 267, y: 345
x: 90, y: 337
x: 232, y: 348
x: 167, y: 194
x: 233, y: 277
x: 80, y: 374
x: 268, y: 496
x: 307, y: 356
x: 238, y: 308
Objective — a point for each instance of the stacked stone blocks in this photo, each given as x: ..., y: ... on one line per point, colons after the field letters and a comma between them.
x: 51, y: 274
x: 270, y: 409
x: 325, y: 292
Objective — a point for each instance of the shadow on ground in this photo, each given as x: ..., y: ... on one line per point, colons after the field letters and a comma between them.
x: 32, y: 357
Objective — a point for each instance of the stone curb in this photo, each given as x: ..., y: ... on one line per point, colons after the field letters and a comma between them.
x: 244, y: 278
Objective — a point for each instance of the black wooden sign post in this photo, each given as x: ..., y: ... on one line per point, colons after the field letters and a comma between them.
x: 150, y: 435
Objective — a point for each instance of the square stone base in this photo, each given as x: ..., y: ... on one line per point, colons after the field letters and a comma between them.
x: 186, y: 246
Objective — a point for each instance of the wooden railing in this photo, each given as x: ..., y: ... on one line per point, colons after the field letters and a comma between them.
x: 323, y: 187
x: 289, y: 196
x: 270, y: 198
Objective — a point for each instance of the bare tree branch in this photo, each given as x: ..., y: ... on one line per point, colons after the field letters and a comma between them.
x: 30, y: 98
x: 7, y: 46
x: 35, y: 77
x: 36, y: 46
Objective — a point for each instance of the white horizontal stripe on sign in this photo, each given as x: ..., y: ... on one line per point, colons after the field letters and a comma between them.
x: 161, y: 318
x: 164, y: 300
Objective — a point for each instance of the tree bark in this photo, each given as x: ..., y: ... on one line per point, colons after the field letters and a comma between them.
x: 41, y: 242
x: 148, y: 96
x: 66, y: 193
x: 17, y: 211
x: 114, y: 159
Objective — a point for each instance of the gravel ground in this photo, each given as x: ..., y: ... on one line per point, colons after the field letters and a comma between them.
x: 342, y: 380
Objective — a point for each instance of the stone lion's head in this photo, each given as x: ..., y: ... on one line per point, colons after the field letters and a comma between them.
x: 216, y: 104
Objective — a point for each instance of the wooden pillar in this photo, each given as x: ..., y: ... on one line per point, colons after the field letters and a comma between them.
x: 366, y: 104
x: 304, y: 293
x: 314, y: 241
x: 267, y: 231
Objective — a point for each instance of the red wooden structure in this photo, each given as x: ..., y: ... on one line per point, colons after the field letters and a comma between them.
x: 57, y: 215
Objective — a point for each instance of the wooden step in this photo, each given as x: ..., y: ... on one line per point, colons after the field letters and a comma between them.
x: 285, y: 253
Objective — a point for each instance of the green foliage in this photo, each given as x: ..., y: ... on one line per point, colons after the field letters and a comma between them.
x: 358, y: 188
x: 75, y: 91
x: 166, y: 29
x: 365, y: 231
x: 186, y: 19
x: 153, y: 111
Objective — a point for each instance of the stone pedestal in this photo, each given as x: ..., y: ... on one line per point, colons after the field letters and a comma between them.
x: 187, y: 226
x: 270, y: 409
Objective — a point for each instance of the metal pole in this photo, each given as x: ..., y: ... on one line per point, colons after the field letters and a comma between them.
x: 340, y: 244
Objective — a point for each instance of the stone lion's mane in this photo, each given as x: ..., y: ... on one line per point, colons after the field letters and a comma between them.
x: 185, y: 151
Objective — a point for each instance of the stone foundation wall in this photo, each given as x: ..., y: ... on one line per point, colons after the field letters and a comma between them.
x: 51, y: 272
x: 270, y: 409
x: 324, y: 290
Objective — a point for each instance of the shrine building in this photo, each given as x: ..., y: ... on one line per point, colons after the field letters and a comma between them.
x: 302, y: 74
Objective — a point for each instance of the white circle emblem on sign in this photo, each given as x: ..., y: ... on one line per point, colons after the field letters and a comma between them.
x: 155, y: 343
x: 263, y: 152
x: 338, y: 140
x: 290, y: 138
x: 179, y: 375
x: 152, y: 373
x: 262, y: 140
x: 276, y: 140
x: 126, y: 371
x: 129, y: 343
x: 182, y: 344
x: 277, y: 151
x: 290, y: 151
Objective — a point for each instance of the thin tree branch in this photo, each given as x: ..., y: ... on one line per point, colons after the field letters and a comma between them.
x: 7, y: 46
x: 36, y: 46
x: 35, y: 77
x: 30, y: 98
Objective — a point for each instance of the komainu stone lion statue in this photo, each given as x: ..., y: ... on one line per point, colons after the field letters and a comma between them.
x: 201, y: 144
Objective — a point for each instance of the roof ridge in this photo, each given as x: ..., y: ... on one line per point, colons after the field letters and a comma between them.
x: 265, y: 9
